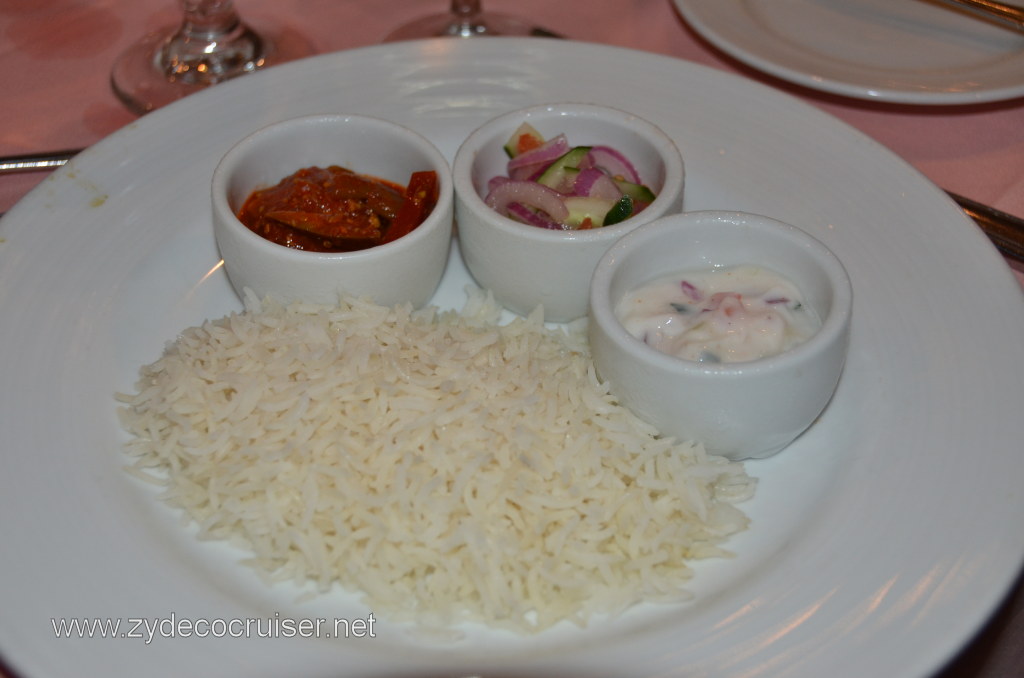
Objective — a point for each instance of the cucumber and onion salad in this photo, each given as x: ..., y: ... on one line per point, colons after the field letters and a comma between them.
x: 553, y: 185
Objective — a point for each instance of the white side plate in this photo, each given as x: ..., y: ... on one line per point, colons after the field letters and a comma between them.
x: 902, y: 51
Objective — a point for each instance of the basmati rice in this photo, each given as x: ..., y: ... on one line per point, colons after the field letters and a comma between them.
x: 448, y: 467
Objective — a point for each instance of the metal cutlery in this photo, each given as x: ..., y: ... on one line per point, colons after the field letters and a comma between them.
x: 1007, y: 15
x: 1006, y: 231
x: 35, y: 161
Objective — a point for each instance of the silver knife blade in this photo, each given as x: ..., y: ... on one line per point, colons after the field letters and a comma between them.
x: 36, y: 161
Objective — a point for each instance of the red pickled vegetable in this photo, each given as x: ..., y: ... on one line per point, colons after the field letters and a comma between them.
x: 333, y: 209
x: 420, y: 198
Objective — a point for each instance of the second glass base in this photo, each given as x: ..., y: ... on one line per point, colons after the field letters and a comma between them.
x: 477, y: 25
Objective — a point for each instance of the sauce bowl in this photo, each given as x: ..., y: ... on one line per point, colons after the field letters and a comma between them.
x: 407, y: 270
x: 524, y: 265
x: 740, y: 410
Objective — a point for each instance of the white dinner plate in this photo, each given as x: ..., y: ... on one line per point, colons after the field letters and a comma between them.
x: 901, y: 51
x: 880, y: 540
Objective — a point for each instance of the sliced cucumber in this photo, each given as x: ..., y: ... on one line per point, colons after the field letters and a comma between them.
x: 555, y: 175
x: 515, y: 142
x: 583, y: 208
x: 636, y: 191
x: 622, y: 210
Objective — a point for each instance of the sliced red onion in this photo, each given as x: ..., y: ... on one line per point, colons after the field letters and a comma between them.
x: 594, y: 183
x: 691, y: 291
x: 533, y: 218
x: 530, y: 194
x: 528, y: 172
x: 614, y: 163
x: 546, y: 153
x: 494, y: 182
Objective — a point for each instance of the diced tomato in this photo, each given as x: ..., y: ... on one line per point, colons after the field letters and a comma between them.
x: 527, y: 142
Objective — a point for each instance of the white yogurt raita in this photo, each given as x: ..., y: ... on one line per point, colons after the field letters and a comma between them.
x: 719, y: 315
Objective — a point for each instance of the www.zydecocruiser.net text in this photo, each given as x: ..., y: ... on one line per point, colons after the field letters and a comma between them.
x: 149, y: 629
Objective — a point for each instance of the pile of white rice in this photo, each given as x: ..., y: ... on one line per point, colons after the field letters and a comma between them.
x: 449, y: 467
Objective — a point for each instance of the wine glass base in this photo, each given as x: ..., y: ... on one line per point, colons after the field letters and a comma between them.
x: 451, y: 25
x: 144, y: 82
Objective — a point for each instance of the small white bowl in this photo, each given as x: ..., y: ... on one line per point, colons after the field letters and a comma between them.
x: 740, y: 410
x: 526, y: 266
x: 408, y: 269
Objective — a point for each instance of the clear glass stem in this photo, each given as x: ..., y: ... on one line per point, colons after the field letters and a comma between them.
x: 211, y: 45
x: 465, y: 19
x: 465, y: 8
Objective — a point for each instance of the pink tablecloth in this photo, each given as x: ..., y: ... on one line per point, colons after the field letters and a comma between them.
x: 55, y: 57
